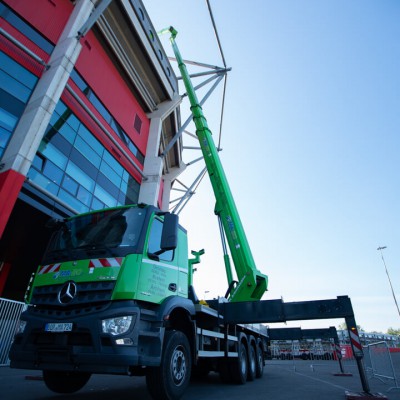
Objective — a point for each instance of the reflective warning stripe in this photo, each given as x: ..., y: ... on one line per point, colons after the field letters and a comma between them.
x: 104, y: 263
x: 355, y: 341
x: 45, y: 269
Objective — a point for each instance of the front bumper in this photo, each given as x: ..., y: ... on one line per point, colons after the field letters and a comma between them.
x: 86, y: 348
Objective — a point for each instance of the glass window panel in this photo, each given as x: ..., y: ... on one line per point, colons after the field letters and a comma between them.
x: 53, y: 172
x: 54, y: 118
x: 99, y: 107
x: 84, y: 164
x: 15, y: 88
x: 104, y: 196
x: 87, y: 151
x: 11, y: 104
x: 91, y: 140
x: 154, y: 245
x: 110, y: 174
x: 60, y: 108
x: 73, y: 122
x: 7, y: 120
x: 72, y: 201
x: 122, y: 198
x: 133, y: 191
x: 125, y: 175
x: 66, y: 131
x: 113, y: 163
x: 38, y: 162
x: 106, y: 184
x: 17, y: 71
x: 55, y: 155
x: 42, y: 181
x: 84, y: 196
x: 80, y: 176
x: 76, y: 78
x: 61, y: 144
x: 124, y: 186
x: 70, y: 185
x: 97, y: 204
x: 119, y: 131
x: 4, y: 136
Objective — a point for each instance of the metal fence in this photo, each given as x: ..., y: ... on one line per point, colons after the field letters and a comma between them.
x: 10, y: 312
x: 378, y: 363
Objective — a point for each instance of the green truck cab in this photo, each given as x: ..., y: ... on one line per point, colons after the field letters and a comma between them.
x: 102, y: 298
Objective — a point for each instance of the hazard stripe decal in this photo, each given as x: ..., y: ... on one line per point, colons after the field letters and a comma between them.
x: 45, y: 269
x: 104, y: 263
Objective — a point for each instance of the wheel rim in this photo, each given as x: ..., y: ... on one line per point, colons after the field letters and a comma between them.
x: 243, y: 363
x: 178, y: 365
x: 253, y: 360
x: 260, y: 359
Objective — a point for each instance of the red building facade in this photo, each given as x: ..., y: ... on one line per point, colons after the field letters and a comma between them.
x: 83, y: 118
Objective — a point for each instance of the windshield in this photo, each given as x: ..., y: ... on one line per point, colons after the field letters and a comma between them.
x: 101, y: 230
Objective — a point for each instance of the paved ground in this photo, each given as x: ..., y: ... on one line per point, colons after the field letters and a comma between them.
x: 282, y: 380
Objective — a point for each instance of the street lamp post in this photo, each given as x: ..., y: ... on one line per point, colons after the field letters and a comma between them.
x: 380, y: 248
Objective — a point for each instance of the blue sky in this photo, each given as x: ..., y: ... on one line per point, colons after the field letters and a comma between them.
x: 310, y: 145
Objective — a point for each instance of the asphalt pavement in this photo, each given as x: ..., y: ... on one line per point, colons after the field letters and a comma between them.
x: 282, y: 380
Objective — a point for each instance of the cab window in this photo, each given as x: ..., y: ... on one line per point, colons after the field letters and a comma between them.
x: 154, y: 248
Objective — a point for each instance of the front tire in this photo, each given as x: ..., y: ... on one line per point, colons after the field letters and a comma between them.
x: 171, y: 379
x: 65, y: 381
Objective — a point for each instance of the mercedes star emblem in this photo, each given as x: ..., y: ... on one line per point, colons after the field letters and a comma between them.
x: 67, y: 292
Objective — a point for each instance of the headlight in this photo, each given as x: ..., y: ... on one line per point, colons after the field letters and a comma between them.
x: 116, y: 326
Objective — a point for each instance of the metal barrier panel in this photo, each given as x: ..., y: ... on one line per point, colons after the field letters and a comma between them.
x: 10, y: 312
x: 368, y: 362
x: 381, y: 363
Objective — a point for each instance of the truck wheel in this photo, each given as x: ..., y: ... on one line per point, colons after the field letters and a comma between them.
x: 259, y: 362
x: 171, y: 378
x: 65, y: 381
x: 239, y: 365
x: 251, y: 373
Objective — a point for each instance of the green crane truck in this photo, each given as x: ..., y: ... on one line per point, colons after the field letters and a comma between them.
x: 114, y: 295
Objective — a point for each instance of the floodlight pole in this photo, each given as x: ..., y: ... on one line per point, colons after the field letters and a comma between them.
x: 380, y: 248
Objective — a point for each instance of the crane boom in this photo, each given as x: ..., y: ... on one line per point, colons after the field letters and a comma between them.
x: 251, y: 283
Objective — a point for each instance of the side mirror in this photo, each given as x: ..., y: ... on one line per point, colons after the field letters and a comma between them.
x: 169, y: 236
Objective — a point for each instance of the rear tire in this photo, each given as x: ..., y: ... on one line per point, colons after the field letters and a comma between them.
x: 65, y: 381
x: 171, y: 379
x: 239, y: 365
x: 251, y: 369
x: 259, y: 362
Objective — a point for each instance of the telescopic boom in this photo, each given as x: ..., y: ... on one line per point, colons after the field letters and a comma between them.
x: 251, y: 283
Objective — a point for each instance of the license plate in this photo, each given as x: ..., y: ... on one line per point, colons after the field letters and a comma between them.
x: 58, y: 327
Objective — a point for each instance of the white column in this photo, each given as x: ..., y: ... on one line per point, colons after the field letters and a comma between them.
x: 153, y: 164
x: 32, y: 126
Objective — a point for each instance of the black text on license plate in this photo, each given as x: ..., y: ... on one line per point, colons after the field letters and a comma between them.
x: 58, y: 327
